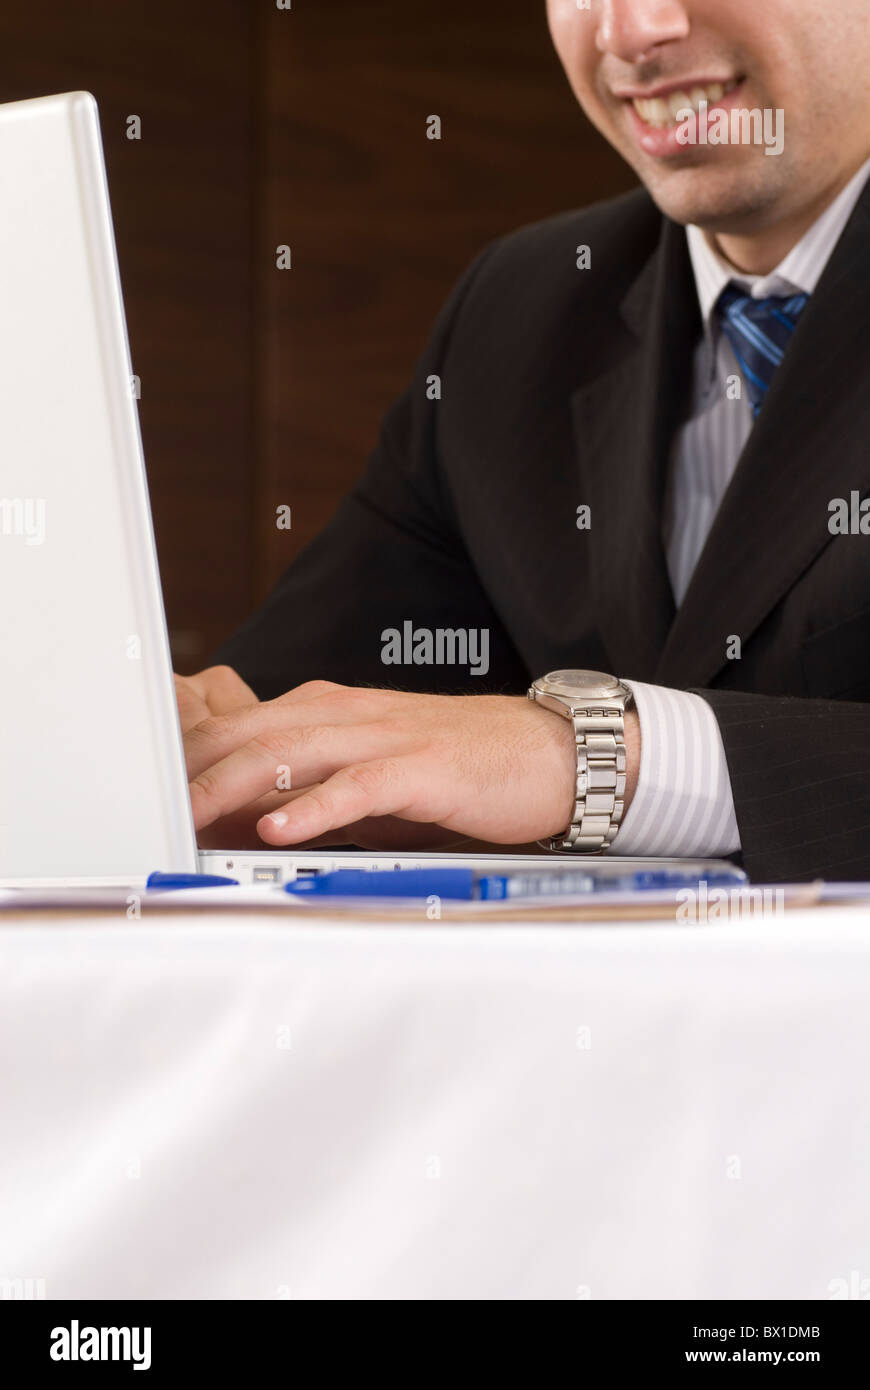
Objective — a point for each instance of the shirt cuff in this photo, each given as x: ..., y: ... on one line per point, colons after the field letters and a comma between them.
x: 683, y: 803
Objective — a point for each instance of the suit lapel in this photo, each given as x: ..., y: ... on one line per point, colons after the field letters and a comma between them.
x: 807, y: 447
x: 624, y: 422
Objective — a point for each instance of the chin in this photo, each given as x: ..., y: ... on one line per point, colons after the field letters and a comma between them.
x: 716, y: 201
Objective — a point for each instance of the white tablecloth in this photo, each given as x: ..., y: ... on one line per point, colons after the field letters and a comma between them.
x: 250, y: 1109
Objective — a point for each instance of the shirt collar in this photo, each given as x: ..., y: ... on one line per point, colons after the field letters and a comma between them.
x: 798, y: 272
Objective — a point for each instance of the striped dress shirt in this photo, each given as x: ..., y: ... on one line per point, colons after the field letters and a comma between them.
x: 683, y: 803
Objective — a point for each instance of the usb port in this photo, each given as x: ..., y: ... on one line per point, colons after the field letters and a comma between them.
x: 261, y: 874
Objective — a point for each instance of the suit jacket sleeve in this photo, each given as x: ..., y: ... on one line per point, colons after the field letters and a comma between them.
x: 800, y: 778
x: 392, y: 553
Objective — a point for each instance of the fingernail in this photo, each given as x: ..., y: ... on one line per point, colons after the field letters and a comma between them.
x: 277, y: 818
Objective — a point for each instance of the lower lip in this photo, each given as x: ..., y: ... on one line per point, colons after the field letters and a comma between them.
x: 661, y: 141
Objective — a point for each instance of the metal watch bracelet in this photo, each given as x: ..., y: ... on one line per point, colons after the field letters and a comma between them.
x: 599, y: 798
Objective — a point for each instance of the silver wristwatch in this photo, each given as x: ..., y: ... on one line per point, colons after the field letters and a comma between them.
x: 596, y: 706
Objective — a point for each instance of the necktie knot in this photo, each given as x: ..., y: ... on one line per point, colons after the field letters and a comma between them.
x: 759, y: 331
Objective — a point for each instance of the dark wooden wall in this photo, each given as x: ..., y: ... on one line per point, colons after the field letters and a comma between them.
x: 306, y: 127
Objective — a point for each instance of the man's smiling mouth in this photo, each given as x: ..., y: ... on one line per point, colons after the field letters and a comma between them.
x: 662, y: 111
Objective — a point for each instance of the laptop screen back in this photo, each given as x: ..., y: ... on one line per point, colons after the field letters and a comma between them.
x: 92, y: 782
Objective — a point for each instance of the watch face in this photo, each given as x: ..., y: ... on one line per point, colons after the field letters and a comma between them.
x: 582, y: 684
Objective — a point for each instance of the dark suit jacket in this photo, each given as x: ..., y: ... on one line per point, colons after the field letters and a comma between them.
x: 563, y: 387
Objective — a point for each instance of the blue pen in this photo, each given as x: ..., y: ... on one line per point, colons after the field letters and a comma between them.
x: 162, y: 881
x: 464, y: 884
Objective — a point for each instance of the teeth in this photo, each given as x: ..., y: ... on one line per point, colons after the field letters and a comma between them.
x: 654, y: 112
x: 663, y: 111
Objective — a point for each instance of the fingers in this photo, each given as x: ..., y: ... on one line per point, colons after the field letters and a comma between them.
x: 223, y: 689
x: 274, y: 760
x: 216, y: 736
x: 238, y: 830
x: 192, y: 708
x: 384, y: 834
x: 313, y: 706
x: 215, y: 691
x: 357, y: 742
x: 382, y: 787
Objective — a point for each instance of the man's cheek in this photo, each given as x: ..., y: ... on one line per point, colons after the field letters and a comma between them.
x: 606, y: 118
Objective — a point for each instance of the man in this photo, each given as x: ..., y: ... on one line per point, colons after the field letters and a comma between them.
x: 636, y: 444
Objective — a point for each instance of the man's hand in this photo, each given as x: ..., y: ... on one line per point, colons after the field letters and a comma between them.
x: 383, y: 768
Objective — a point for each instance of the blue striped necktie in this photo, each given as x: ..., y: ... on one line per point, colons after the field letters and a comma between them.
x: 759, y: 331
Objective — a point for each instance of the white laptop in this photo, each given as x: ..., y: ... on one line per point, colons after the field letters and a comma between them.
x: 92, y: 779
